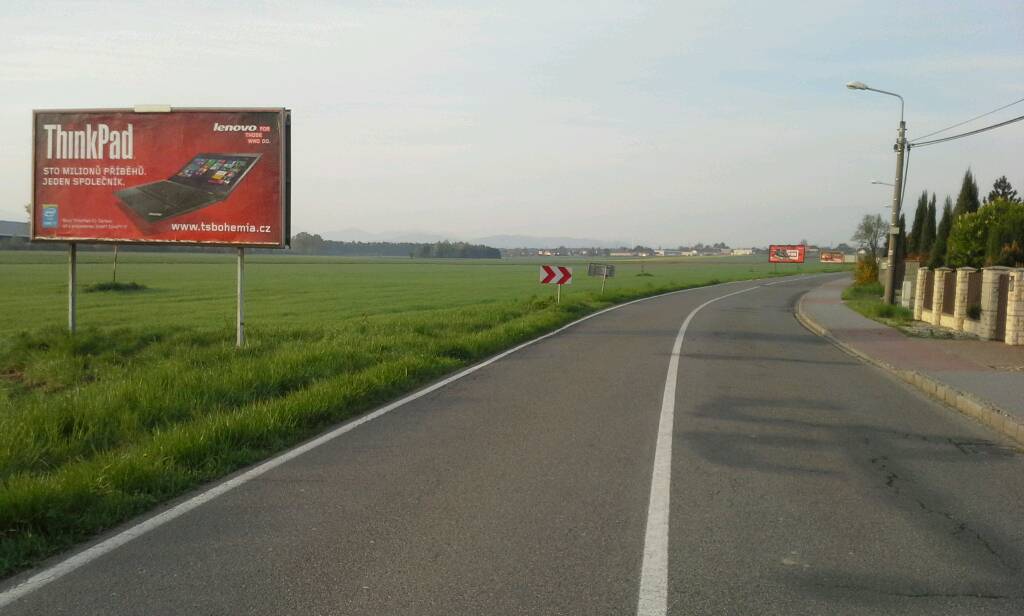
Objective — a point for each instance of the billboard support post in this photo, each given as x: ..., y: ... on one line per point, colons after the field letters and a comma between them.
x: 72, y: 284
x: 240, y: 317
x: 558, y: 294
x: 115, y: 263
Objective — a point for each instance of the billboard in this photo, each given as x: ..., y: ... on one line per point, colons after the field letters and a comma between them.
x: 832, y: 256
x: 185, y: 176
x: 786, y: 254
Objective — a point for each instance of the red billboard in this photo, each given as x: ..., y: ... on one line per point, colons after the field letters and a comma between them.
x: 832, y: 256
x: 188, y: 176
x: 786, y: 254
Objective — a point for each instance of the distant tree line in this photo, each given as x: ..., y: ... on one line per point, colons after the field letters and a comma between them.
x: 456, y: 250
x: 971, y: 231
x: 309, y: 244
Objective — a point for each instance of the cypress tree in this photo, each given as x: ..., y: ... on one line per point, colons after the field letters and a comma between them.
x: 967, y: 201
x: 917, y: 230
x: 939, y: 249
x: 928, y: 232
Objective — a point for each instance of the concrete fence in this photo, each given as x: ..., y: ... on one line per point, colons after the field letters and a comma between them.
x: 987, y: 303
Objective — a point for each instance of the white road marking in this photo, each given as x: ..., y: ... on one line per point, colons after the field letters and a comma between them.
x: 90, y: 554
x: 653, y: 599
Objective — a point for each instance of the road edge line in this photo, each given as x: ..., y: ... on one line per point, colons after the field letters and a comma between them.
x: 968, y: 404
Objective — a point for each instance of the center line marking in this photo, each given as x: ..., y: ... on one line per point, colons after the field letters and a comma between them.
x: 653, y: 599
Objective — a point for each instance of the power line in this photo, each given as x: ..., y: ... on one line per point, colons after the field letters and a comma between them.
x: 971, y: 120
x: 903, y: 184
x: 967, y: 134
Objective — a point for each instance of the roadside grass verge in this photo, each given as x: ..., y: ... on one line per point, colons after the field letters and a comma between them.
x: 867, y: 300
x: 104, y: 425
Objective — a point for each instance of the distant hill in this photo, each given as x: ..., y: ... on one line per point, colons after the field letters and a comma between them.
x: 532, y: 241
x: 497, y: 241
x: 358, y: 235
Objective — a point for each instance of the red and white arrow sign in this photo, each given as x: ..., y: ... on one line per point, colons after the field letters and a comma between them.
x: 555, y: 274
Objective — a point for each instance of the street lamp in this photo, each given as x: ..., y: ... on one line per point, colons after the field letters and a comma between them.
x: 900, y: 147
x: 882, y: 183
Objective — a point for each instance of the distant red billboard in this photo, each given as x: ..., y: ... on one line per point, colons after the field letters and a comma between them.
x: 786, y: 254
x: 832, y: 256
x: 191, y: 176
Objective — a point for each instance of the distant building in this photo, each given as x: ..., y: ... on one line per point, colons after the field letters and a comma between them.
x: 621, y: 253
x: 668, y: 252
x: 10, y: 229
x: 738, y: 252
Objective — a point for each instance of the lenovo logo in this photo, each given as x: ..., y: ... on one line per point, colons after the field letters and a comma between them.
x: 234, y: 128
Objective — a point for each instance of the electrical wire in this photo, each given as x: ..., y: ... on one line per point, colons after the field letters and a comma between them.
x: 1021, y: 100
x: 967, y: 134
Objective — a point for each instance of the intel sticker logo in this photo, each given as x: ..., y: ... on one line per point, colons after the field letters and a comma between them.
x: 50, y: 217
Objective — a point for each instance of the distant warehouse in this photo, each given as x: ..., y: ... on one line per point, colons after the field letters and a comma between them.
x: 742, y: 251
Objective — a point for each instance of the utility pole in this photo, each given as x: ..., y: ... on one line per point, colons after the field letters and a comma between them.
x: 894, y: 222
x: 894, y: 231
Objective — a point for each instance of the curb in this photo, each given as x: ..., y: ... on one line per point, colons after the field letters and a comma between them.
x: 968, y: 404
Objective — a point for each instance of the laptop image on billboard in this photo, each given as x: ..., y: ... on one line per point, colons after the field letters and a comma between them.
x: 206, y: 179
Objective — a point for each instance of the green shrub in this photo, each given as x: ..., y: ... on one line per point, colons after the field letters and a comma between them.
x: 1005, y: 241
x: 866, y: 272
x: 993, y: 235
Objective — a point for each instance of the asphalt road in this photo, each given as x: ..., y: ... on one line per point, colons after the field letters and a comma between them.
x: 802, y: 482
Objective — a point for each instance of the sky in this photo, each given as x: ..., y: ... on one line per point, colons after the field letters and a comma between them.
x: 662, y: 123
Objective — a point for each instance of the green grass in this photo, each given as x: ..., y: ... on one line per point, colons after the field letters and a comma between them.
x: 150, y: 398
x: 867, y: 300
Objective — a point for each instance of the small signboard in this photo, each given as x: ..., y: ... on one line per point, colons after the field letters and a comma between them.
x: 778, y: 253
x: 832, y: 256
x: 555, y: 274
x: 601, y: 270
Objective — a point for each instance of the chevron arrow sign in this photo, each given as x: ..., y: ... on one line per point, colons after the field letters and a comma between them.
x: 555, y: 274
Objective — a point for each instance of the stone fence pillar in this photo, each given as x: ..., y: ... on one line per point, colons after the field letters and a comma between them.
x: 1015, y: 309
x: 990, y: 300
x: 960, y: 307
x: 922, y: 280
x: 938, y: 294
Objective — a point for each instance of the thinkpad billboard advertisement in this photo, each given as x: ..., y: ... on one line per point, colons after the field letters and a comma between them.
x: 189, y: 176
x: 786, y: 254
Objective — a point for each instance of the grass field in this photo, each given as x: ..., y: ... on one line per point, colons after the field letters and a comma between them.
x: 867, y: 300
x: 150, y: 398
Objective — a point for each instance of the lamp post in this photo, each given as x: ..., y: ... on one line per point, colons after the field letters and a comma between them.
x: 900, y: 148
